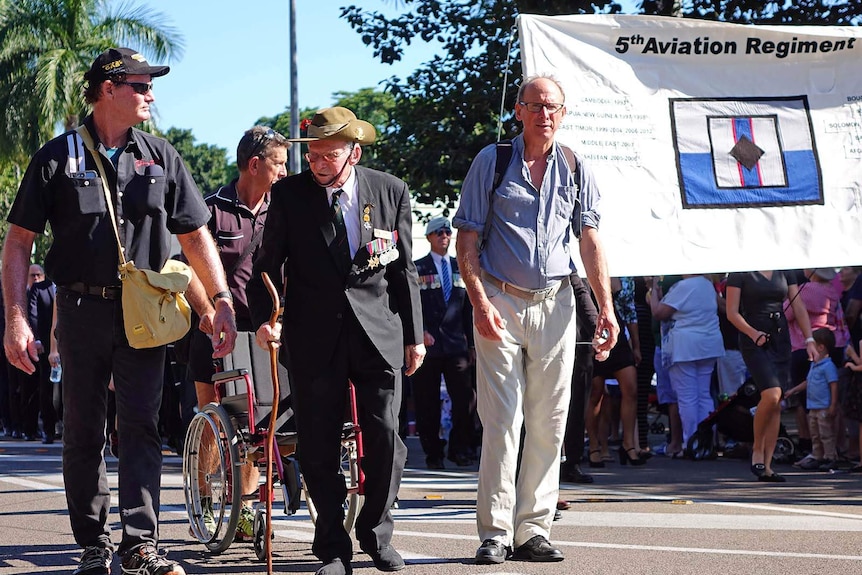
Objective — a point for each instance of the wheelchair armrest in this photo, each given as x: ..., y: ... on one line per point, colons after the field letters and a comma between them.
x: 229, y: 375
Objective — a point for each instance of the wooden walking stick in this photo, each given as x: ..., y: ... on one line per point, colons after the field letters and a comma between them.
x: 277, y: 313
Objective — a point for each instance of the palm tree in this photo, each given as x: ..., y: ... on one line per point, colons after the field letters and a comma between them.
x: 45, y: 48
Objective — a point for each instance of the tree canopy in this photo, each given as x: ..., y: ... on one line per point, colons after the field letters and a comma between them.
x: 448, y: 109
x: 45, y: 48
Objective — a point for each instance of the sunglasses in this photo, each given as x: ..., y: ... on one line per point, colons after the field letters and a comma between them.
x: 139, y: 87
x: 261, y: 139
x: 443, y: 232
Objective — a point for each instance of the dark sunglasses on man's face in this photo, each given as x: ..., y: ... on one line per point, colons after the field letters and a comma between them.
x: 444, y: 232
x: 139, y: 87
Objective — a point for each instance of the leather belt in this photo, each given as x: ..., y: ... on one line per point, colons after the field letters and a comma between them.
x: 104, y: 292
x: 529, y: 295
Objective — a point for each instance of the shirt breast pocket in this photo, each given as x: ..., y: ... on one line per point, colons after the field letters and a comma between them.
x: 89, y: 196
x: 228, y: 238
x: 568, y: 207
x: 145, y: 196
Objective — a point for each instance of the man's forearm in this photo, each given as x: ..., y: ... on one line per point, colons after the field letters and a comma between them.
x: 199, y: 248
x: 467, y: 251
x: 596, y: 267
x: 16, y: 263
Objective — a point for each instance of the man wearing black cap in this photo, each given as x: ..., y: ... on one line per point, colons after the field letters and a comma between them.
x: 353, y: 312
x: 153, y: 196
x: 448, y: 330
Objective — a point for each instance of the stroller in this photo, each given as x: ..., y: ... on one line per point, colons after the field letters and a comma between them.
x: 734, y: 419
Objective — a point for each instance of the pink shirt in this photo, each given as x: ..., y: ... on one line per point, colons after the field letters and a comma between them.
x: 823, y: 302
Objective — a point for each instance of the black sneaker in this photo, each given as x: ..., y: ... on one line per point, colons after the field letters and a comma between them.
x: 94, y: 561
x: 145, y: 560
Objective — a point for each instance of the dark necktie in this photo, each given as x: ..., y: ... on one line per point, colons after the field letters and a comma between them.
x: 339, y: 247
x: 445, y: 278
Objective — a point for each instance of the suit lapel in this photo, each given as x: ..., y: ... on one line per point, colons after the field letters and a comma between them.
x: 322, y: 213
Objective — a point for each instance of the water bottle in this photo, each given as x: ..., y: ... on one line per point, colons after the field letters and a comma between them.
x: 56, y: 373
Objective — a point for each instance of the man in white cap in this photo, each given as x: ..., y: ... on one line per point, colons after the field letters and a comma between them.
x: 342, y: 233
x: 448, y: 331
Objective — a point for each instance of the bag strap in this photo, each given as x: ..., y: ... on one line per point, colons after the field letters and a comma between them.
x: 572, y: 161
x: 255, y: 241
x: 97, y: 157
x: 501, y: 164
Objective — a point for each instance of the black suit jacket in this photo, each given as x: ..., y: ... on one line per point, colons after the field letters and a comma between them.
x: 385, y: 299
x: 450, y: 323
x: 40, y: 310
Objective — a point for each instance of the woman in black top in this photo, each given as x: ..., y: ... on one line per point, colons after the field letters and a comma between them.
x: 755, y: 306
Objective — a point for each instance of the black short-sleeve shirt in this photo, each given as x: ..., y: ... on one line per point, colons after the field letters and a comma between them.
x: 233, y: 226
x: 759, y: 295
x: 153, y: 194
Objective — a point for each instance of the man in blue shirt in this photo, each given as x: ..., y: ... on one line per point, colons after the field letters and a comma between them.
x: 524, y: 318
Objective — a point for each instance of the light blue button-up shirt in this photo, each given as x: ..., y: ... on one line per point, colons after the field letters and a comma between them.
x: 530, y: 236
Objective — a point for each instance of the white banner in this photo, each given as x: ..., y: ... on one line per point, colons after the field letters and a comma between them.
x: 717, y: 147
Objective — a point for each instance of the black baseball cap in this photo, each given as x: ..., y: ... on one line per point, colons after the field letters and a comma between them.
x: 115, y: 61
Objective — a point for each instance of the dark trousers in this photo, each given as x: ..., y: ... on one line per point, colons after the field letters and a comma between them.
x: 426, y: 398
x: 93, y: 346
x: 321, y: 403
x: 582, y: 375
x: 47, y: 407
x: 645, y: 371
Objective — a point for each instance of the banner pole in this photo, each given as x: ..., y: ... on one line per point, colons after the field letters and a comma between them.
x: 505, y: 81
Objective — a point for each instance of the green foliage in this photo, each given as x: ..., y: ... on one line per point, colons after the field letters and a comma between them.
x: 208, y: 165
x: 45, y: 48
x: 800, y: 12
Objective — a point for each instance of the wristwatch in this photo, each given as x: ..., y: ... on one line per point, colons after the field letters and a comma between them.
x: 223, y: 295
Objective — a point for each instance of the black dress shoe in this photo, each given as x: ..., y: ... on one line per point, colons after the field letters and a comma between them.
x: 335, y: 567
x: 558, y: 515
x: 773, y: 478
x: 435, y: 463
x: 492, y: 552
x: 575, y: 475
x: 48, y: 439
x: 387, y: 559
x: 537, y: 549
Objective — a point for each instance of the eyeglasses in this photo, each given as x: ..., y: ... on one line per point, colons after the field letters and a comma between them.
x: 139, y: 87
x: 536, y: 107
x: 261, y: 139
x: 330, y: 157
x: 36, y: 275
x: 443, y: 232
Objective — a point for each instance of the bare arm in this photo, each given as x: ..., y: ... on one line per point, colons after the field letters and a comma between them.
x: 596, y: 267
x: 18, y: 341
x: 486, y: 318
x: 197, y: 296
x: 199, y: 248
x: 54, y: 352
x: 802, y: 319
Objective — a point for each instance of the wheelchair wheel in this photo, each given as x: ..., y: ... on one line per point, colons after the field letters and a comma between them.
x: 784, y: 451
x: 350, y: 469
x: 700, y: 446
x: 260, y: 542
x: 211, y: 481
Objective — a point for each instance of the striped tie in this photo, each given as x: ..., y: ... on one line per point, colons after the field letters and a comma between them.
x: 445, y: 278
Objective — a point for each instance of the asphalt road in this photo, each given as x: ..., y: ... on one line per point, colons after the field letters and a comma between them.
x: 667, y: 517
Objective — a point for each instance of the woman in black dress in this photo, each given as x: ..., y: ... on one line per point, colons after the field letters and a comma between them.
x: 755, y: 305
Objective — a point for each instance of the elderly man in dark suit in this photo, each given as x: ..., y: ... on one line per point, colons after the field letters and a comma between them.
x: 343, y: 234
x: 448, y: 331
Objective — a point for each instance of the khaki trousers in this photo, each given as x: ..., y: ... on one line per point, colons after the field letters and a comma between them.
x: 524, y: 380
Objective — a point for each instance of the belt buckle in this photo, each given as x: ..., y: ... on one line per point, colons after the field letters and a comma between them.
x: 542, y: 294
x: 105, y: 292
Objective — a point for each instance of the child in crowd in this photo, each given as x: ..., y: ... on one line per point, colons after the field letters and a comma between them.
x: 822, y: 402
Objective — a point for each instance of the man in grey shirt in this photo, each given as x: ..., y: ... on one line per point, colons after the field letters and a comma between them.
x: 524, y: 312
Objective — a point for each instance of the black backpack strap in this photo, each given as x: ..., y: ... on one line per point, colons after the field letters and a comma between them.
x: 572, y: 161
x: 504, y: 158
